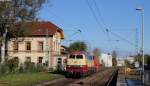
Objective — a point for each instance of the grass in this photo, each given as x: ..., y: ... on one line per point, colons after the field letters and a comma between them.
x: 26, y: 79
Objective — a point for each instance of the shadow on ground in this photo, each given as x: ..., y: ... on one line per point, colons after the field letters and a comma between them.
x: 65, y: 74
x: 59, y: 72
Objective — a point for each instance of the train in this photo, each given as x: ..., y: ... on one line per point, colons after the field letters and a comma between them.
x: 82, y: 63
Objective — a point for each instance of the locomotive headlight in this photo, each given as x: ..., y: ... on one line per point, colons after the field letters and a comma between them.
x: 68, y: 65
x: 80, y: 66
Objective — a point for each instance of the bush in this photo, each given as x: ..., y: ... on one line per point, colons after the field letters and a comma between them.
x: 40, y: 67
x: 13, y: 64
x: 9, y: 66
x: 21, y: 68
x: 32, y: 67
x: 4, y: 69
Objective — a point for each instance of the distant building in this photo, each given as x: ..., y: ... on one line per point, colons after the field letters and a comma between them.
x: 61, y: 59
x: 121, y: 60
x: 41, y: 44
x: 63, y: 50
x: 130, y: 59
x: 106, y: 60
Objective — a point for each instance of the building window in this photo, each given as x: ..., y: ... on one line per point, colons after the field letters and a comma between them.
x: 28, y: 46
x: 59, y: 60
x: 28, y: 59
x: 40, y: 46
x: 15, y: 46
x: 40, y: 59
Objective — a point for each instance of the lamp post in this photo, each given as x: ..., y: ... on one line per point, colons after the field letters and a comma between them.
x: 141, y: 10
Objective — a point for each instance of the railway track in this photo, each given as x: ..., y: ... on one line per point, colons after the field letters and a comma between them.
x: 97, y: 79
x: 93, y: 80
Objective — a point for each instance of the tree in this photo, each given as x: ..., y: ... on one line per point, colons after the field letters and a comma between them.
x: 13, y: 14
x: 102, y: 63
x: 77, y: 46
x: 114, y: 60
x: 96, y: 53
x: 128, y: 64
x: 14, y: 11
x: 138, y: 58
x: 148, y: 60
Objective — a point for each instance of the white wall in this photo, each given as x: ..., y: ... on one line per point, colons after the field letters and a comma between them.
x: 120, y: 61
x: 130, y: 59
x: 106, y: 59
x: 22, y: 53
x: 53, y: 48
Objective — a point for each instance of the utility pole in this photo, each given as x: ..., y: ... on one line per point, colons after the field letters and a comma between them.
x: 136, y: 41
x: 125, y: 66
x: 48, y: 51
x: 141, y: 10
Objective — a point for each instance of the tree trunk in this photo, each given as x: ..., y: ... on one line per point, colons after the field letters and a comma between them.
x: 3, y: 47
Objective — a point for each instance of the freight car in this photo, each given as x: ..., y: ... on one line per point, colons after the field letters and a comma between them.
x: 81, y: 63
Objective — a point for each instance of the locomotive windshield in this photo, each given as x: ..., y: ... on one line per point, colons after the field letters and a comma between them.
x: 72, y: 56
x: 79, y: 56
x: 76, y: 56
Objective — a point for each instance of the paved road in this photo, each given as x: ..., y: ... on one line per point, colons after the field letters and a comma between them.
x: 121, y: 81
x: 133, y: 82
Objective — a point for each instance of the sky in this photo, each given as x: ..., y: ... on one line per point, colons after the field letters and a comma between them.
x: 118, y: 16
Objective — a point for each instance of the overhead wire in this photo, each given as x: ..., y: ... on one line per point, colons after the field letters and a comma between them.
x: 102, y: 20
x: 99, y: 13
x: 68, y: 37
x: 124, y: 39
x: 108, y: 30
x: 97, y: 21
x: 94, y: 15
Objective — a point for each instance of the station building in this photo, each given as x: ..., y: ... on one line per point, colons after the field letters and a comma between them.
x: 40, y: 44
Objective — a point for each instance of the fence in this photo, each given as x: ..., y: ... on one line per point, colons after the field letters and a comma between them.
x: 147, y: 77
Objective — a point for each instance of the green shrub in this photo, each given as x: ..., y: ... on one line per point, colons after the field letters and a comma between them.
x: 9, y: 66
x: 21, y: 68
x: 29, y: 66
x: 4, y: 69
x: 32, y: 67
x: 40, y: 67
x: 13, y: 64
